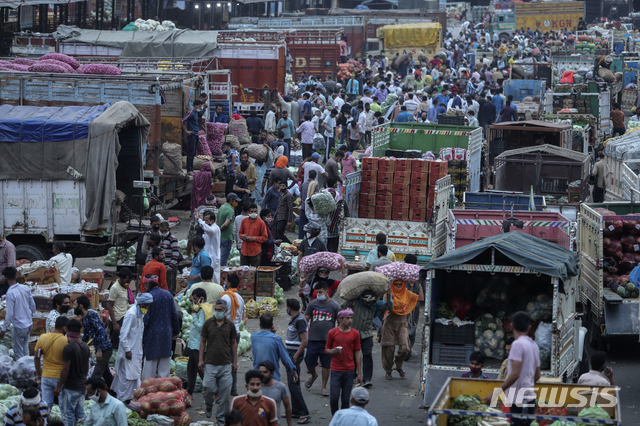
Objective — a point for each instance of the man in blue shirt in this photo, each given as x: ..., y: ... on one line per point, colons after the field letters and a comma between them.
x: 432, y: 112
x: 95, y: 330
x: 497, y: 100
x: 268, y: 346
x: 488, y: 113
x: 287, y: 127
x: 192, y: 127
x: 272, y: 197
x: 404, y: 116
x: 218, y: 116
x: 443, y: 98
x: 306, y: 107
x: 356, y: 414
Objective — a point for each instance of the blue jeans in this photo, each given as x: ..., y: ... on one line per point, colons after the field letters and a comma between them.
x: 340, y: 389
x: 72, y: 405
x: 48, y: 385
x: 192, y: 150
x: 20, y: 340
x: 225, y: 249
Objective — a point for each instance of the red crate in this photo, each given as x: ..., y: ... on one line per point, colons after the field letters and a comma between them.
x: 367, y: 212
x: 384, y: 189
x: 418, y: 203
x: 370, y: 163
x: 384, y: 212
x: 418, y: 191
x: 401, y: 188
x: 403, y: 165
x: 420, y: 179
x: 368, y: 187
x: 401, y: 200
x: 417, y: 215
x: 385, y: 177
x: 384, y: 200
x: 387, y: 165
x: 420, y: 166
x: 401, y: 177
x: 400, y: 213
x: 369, y: 176
x: 438, y: 169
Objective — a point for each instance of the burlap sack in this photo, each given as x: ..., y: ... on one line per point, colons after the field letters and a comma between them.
x: 518, y: 72
x: 172, y: 159
x: 257, y: 151
x: 235, y: 144
x: 606, y: 75
x: 238, y: 128
x: 352, y: 287
x: 199, y: 161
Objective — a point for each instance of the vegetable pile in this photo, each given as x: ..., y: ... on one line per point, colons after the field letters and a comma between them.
x: 164, y: 396
x: 490, y: 336
x: 245, y: 340
x: 323, y: 203
x: 187, y: 320
x: 621, y: 246
x: 466, y: 402
x: 324, y: 259
x: 269, y: 305
x: 23, y: 373
x: 279, y: 294
x: 119, y: 254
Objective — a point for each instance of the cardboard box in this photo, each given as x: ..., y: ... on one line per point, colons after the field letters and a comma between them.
x: 384, y: 200
x: 368, y: 199
x: 39, y: 326
x: 401, y: 188
x: 41, y: 276
x: 370, y: 163
x: 401, y: 177
x: 387, y: 165
x: 385, y: 177
x: 400, y: 213
x: 418, y: 191
x: 247, y: 275
x: 420, y: 179
x: 403, y: 165
x: 93, y: 295
x: 417, y: 215
x: 420, y: 166
x: 247, y: 297
x: 418, y: 203
x: 266, y: 274
x: 265, y: 289
x: 401, y: 199
x: 43, y: 304
x: 246, y: 288
x: 368, y: 187
x: 384, y: 212
x: 93, y: 277
x: 385, y: 189
x: 367, y: 212
x: 438, y: 169
x: 369, y: 176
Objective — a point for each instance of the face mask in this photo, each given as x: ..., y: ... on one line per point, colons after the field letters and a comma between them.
x: 198, y: 109
x: 77, y: 311
x: 165, y: 234
x: 218, y: 315
x: 268, y: 220
x: 234, y: 204
x: 283, y: 189
x: 95, y: 397
x: 65, y: 308
x: 256, y: 394
x: 143, y: 311
x: 289, y: 312
x: 253, y: 215
x: 308, y: 235
x: 475, y: 370
x: 322, y: 298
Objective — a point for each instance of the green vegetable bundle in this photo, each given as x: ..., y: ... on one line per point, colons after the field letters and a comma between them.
x: 490, y: 336
x: 278, y: 294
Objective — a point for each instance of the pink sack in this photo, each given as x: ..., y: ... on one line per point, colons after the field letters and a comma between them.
x: 324, y: 259
x: 400, y: 271
x: 215, y: 137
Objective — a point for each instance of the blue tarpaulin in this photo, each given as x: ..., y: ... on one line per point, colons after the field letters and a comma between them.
x: 46, y: 124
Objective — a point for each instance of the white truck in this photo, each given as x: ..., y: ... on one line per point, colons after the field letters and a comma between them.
x: 67, y: 170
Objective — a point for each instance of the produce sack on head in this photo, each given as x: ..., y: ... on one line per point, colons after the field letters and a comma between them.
x: 352, y: 287
x: 323, y: 203
x: 400, y: 271
x: 235, y: 144
x: 323, y: 259
x: 257, y: 151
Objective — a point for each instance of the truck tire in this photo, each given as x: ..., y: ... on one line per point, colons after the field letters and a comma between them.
x: 504, y: 38
x: 30, y: 252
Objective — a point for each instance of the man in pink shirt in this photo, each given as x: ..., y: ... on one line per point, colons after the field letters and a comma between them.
x: 523, y: 371
x: 348, y: 162
x: 343, y: 49
x: 306, y: 130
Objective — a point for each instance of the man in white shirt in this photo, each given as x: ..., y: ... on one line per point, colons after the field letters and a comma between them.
x: 329, y: 127
x: 64, y: 261
x: 366, y: 99
x: 237, y: 222
x: 600, y: 374
x: 313, y: 165
x: 20, y: 310
x: 270, y: 121
x: 337, y: 101
x: 211, y: 241
x: 411, y: 103
x: 472, y: 105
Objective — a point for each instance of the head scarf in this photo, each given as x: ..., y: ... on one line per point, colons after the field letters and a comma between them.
x: 235, y: 305
x: 144, y: 298
x: 345, y: 313
x: 201, y: 188
x: 404, y: 301
x: 282, y: 162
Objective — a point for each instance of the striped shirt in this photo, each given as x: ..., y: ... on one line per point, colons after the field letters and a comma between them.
x: 14, y: 415
x: 231, y: 168
x: 297, y: 325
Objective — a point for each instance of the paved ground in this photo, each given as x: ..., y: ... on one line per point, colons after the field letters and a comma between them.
x: 400, y: 400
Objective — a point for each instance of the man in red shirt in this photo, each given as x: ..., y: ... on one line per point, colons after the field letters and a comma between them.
x: 343, y: 344
x: 253, y: 232
x: 156, y: 267
x: 257, y: 409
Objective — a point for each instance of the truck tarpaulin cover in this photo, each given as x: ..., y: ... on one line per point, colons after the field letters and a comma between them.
x: 423, y: 35
x: 625, y: 147
x: 41, y: 143
x: 145, y: 44
x: 524, y: 249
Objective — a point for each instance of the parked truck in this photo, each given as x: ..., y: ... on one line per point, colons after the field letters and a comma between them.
x: 471, y: 293
x: 64, y: 166
x: 416, y: 39
x: 621, y: 159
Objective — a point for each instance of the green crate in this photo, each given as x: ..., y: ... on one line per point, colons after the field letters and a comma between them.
x: 421, y: 141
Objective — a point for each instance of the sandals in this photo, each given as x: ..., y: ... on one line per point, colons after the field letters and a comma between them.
x: 388, y: 376
x: 402, y: 373
x: 310, y: 382
x: 304, y: 420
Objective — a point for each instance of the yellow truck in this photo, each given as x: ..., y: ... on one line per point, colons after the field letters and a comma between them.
x: 506, y: 18
x: 425, y: 38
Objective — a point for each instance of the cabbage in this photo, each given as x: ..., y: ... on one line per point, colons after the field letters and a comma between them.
x: 55, y: 414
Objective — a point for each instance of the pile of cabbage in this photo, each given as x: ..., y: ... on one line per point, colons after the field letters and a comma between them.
x: 151, y: 25
x: 245, y: 340
x: 119, y: 254
x: 490, y: 336
x: 234, y: 257
x: 9, y: 396
x: 187, y: 320
x: 183, y: 248
x: 278, y: 294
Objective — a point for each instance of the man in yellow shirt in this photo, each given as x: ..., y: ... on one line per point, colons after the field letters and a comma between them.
x: 50, y: 346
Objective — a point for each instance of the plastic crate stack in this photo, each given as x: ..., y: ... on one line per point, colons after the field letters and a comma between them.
x: 399, y: 189
x: 459, y: 177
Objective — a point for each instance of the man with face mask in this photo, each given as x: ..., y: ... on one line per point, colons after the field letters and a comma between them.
x: 161, y: 325
x: 253, y: 232
x: 129, y: 361
x: 257, y: 410
x: 203, y: 311
x: 61, y: 305
x: 226, y: 217
x: 120, y: 296
x: 365, y: 309
x: 275, y: 390
x: 219, y: 338
x: 268, y: 346
x: 283, y: 216
x: 156, y: 267
x: 106, y: 410
x: 48, y: 353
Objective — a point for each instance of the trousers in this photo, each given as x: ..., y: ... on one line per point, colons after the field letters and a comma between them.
x: 192, y: 370
x: 217, y: 380
x: 20, y: 341
x: 298, y: 405
x: 162, y: 365
x: 388, y: 358
x: 340, y: 389
x: 366, y: 345
x: 281, y: 227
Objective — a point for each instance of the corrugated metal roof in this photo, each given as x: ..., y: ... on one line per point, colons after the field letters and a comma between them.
x: 533, y: 123
x: 549, y: 149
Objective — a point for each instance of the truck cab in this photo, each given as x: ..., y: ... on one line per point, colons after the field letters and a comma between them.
x: 503, y: 22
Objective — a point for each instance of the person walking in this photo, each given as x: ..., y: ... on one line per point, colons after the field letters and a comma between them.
x: 599, y: 173
x: 226, y: 216
x: 321, y: 313
x: 343, y: 344
x: 161, y: 325
x: 201, y: 312
x: 355, y: 415
x: 268, y: 346
x: 213, y: 290
x: 253, y: 232
x: 61, y: 305
x: 95, y: 330
x: 120, y: 297
x: 365, y: 309
x: 211, y: 240
x: 414, y: 316
x: 219, y: 342
x: 20, y: 308
x: 275, y: 390
x: 129, y: 360
x: 75, y: 368
x: 105, y: 410
x: 256, y: 409
x: 234, y: 312
x: 283, y: 216
x: 295, y: 343
x: 48, y: 359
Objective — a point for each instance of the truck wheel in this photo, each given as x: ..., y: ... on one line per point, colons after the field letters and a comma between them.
x: 30, y: 252
x: 504, y: 38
